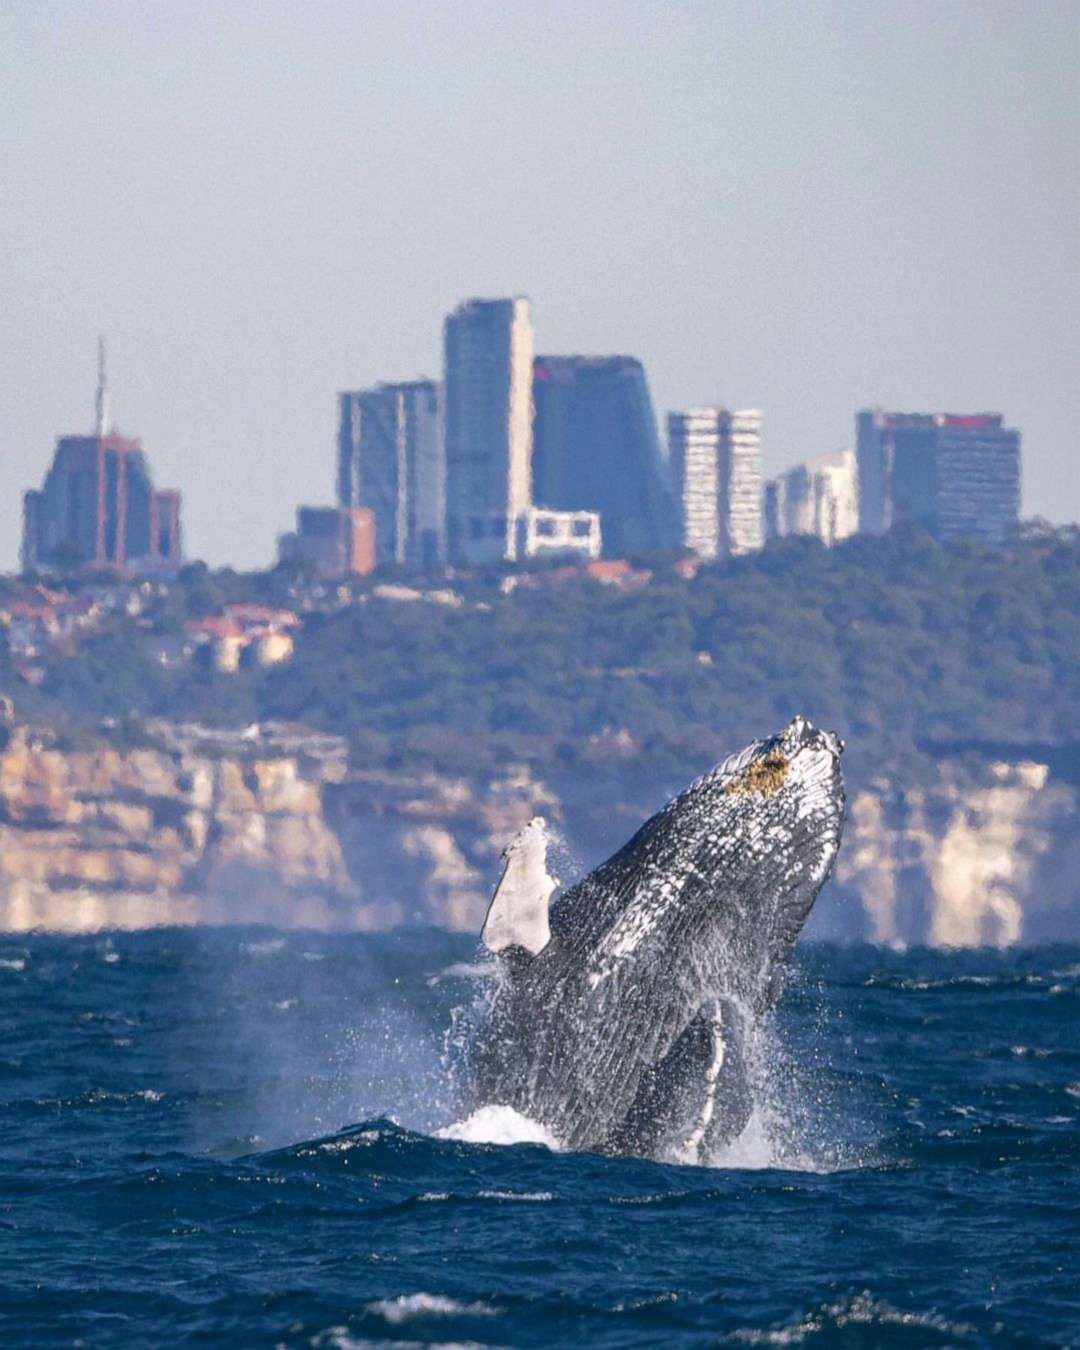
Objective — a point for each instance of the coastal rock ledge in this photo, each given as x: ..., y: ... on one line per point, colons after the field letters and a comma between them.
x: 98, y: 835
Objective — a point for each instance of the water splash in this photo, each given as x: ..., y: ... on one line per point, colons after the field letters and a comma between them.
x: 499, y: 1125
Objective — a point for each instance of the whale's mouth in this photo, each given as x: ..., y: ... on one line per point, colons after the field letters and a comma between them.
x: 800, y: 733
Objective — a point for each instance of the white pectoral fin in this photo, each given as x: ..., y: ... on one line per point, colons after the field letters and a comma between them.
x: 518, y: 914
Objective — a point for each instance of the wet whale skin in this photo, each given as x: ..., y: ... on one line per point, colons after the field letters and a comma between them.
x: 623, y: 1029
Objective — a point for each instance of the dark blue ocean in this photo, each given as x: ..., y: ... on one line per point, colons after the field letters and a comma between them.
x: 225, y: 1138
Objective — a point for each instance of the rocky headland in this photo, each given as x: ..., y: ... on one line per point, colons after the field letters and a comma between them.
x: 271, y: 825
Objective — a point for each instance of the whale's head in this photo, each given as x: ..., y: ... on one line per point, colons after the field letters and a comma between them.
x: 800, y: 767
x: 764, y: 829
x: 733, y: 864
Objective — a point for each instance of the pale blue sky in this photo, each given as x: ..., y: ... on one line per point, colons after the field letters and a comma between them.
x: 800, y: 207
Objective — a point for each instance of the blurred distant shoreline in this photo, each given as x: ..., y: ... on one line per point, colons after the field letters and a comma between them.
x: 366, y: 770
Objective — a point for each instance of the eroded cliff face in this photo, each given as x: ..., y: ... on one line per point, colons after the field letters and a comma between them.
x: 979, y: 853
x: 109, y: 838
x: 128, y: 839
x: 983, y: 856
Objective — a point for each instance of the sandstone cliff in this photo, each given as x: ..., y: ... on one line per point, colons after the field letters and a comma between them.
x: 185, y: 832
x: 985, y: 855
x: 102, y: 837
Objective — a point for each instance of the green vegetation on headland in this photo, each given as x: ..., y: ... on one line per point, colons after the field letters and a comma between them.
x: 894, y: 642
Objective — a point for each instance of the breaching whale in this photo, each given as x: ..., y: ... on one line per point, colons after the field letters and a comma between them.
x: 619, y: 1012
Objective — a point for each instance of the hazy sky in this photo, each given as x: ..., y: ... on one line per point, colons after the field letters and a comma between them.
x: 801, y: 207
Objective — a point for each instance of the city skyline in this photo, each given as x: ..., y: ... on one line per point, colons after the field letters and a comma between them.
x: 862, y: 210
x: 514, y: 455
x: 403, y: 423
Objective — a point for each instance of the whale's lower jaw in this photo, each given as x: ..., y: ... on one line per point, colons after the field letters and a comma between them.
x: 665, y: 1077
x: 625, y: 1031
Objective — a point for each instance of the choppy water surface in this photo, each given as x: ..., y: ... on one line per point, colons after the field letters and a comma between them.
x: 231, y: 1138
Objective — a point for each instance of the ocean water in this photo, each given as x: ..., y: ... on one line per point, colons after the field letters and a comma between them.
x: 248, y: 1138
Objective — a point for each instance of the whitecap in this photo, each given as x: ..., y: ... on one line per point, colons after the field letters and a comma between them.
x: 407, y: 1306
x: 12, y: 963
x: 861, y: 1310
x: 358, y: 1139
x: 533, y: 1196
x: 263, y: 948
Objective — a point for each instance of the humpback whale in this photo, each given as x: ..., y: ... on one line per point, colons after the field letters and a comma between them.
x: 620, y: 1011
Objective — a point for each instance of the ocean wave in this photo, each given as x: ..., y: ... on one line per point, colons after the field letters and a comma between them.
x: 861, y: 1314
x: 408, y: 1307
x: 248, y: 1177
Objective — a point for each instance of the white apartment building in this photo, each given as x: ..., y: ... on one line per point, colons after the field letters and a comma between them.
x: 820, y: 498
x: 715, y: 458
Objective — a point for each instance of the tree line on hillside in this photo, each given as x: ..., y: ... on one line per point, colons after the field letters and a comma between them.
x: 894, y: 642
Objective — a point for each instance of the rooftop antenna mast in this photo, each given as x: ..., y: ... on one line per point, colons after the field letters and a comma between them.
x: 101, y: 427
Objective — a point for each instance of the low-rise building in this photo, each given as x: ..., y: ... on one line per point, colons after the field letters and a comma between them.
x: 45, y: 618
x: 243, y: 635
x: 338, y: 540
x: 549, y: 533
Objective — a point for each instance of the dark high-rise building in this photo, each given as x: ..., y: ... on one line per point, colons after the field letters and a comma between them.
x: 488, y: 347
x: 955, y: 475
x: 391, y: 461
x: 596, y: 448
x: 98, y: 506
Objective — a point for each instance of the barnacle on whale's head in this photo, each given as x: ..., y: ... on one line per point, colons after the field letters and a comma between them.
x: 765, y: 775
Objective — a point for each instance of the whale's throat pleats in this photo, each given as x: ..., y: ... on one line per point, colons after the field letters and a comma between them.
x: 693, y: 1100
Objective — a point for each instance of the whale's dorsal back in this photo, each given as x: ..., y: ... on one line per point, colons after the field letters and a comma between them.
x: 518, y: 914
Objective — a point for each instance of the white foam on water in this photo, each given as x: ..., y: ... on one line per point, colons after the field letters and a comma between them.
x: 862, y: 1310
x: 498, y: 1125
x: 534, y: 1197
x: 409, y: 1306
x: 266, y: 948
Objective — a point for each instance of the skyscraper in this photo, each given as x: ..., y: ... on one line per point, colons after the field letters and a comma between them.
x: 98, y: 505
x: 596, y: 449
x: 957, y: 475
x: 715, y: 460
x: 391, y: 461
x: 489, y: 356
